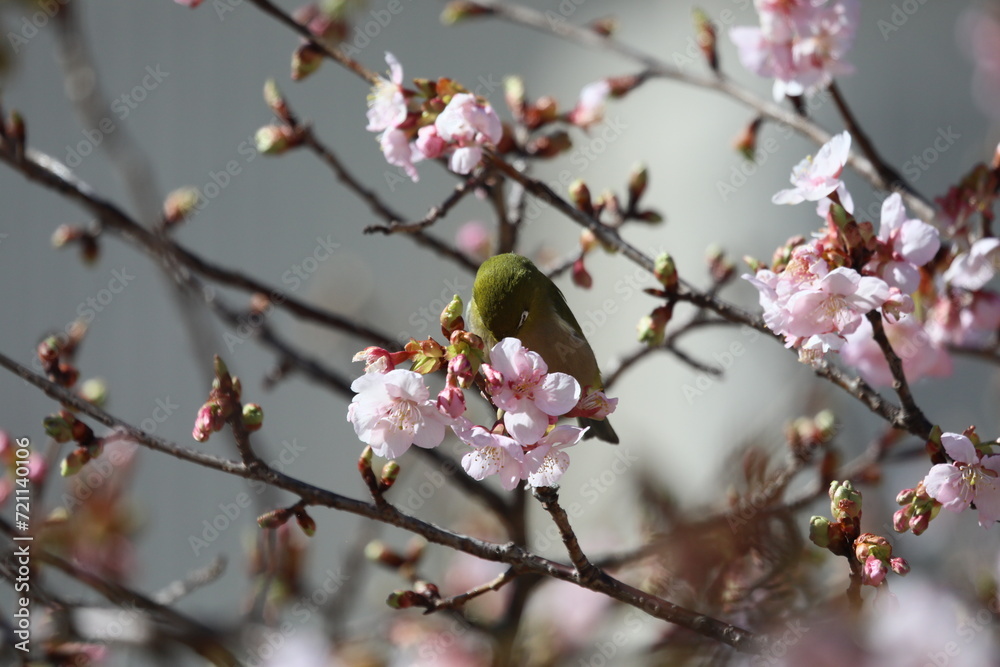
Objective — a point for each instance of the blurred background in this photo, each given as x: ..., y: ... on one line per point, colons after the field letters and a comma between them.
x: 182, y: 90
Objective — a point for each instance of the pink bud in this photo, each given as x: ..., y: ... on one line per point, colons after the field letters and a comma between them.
x: 429, y: 142
x: 874, y: 571
x: 899, y: 566
x: 451, y: 401
x: 901, y: 519
x: 581, y: 277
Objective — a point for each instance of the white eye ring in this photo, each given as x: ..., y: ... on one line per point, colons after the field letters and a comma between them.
x: 524, y: 317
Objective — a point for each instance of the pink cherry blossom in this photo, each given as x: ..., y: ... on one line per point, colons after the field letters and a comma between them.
x: 972, y: 477
x: 393, y: 411
x: 910, y: 244
x: 555, y: 461
x: 386, y: 103
x: 400, y: 152
x: 817, y: 177
x: 468, y: 126
x: 835, y: 304
x: 801, y: 45
x: 973, y: 269
x: 473, y: 238
x: 495, y: 454
x: 429, y: 142
x: 590, y: 107
x: 922, y: 355
x: 527, y: 392
x: 967, y: 319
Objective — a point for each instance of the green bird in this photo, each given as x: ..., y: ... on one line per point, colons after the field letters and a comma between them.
x: 512, y: 298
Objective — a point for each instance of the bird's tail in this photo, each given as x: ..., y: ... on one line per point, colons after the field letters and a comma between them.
x: 599, y: 428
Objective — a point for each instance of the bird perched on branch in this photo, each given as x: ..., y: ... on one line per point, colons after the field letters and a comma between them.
x: 512, y: 298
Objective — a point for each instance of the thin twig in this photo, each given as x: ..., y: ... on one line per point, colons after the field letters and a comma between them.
x: 910, y: 414
x: 549, y: 498
x: 435, y: 214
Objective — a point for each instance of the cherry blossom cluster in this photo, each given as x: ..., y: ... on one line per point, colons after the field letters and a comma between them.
x: 394, y: 408
x: 443, y: 119
x: 817, y: 293
x: 801, y: 44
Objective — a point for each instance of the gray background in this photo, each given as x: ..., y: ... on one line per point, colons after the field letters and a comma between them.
x: 909, y: 84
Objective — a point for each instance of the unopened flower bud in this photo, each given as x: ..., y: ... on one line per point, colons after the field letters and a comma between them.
x: 65, y: 234
x: 819, y: 531
x: 845, y: 501
x: 426, y: 588
x: 826, y: 425
x: 874, y: 571
x: 180, y: 204
x: 406, y: 599
x: 581, y: 277
x: 652, y: 327
x: 460, y: 9
x: 94, y: 391
x: 746, y: 142
x: 276, y: 101
x: 451, y: 316
x: 920, y: 522
x: 253, y: 417
x: 513, y: 92
x: 274, y: 518
x: 579, y: 193
x: 306, y: 522
x: 58, y: 428
x: 275, y: 139
x: 306, y: 59
x: 17, y: 132
x: 605, y: 27
x: 637, y: 182
x: 378, y: 551
x: 906, y: 496
x: 390, y: 472
x: 49, y: 349
x: 74, y: 462
x: 901, y: 519
x: 666, y: 271
x: 549, y: 145
x: 706, y: 38
x: 89, y: 248
x: 899, y: 566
